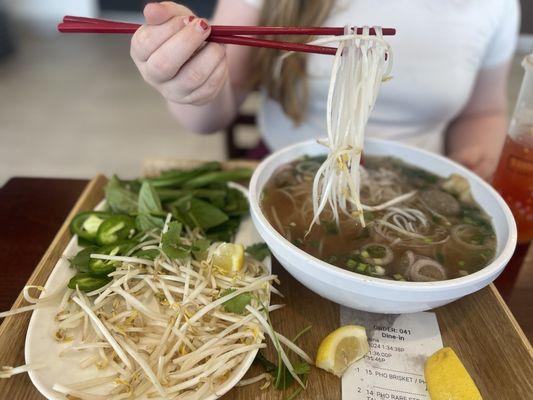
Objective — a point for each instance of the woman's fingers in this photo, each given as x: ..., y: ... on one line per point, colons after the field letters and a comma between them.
x: 210, y: 89
x: 181, y: 89
x: 195, y: 72
x: 164, y: 63
x: 158, y: 13
x: 171, y: 54
x: 148, y: 38
x: 163, y: 20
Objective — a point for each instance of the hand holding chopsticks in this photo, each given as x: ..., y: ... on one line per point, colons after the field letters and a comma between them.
x: 223, y: 34
x: 172, y: 56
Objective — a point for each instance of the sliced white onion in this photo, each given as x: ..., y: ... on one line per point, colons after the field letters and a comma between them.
x: 416, y: 271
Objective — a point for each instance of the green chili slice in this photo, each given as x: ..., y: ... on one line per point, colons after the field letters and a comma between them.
x: 102, y: 268
x: 115, y: 229
x: 87, y: 283
x: 87, y: 223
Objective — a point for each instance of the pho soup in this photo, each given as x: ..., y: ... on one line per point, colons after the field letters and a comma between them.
x: 432, y: 229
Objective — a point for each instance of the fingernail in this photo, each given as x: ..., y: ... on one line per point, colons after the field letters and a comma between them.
x: 188, y: 20
x: 203, y: 25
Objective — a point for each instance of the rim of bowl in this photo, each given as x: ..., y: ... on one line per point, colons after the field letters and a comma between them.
x: 498, y: 263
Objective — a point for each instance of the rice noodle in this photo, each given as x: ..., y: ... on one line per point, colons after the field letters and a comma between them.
x: 457, y: 233
x: 361, y: 64
x: 390, y: 203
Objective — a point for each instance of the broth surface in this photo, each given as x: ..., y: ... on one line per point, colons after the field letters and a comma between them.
x: 438, y: 232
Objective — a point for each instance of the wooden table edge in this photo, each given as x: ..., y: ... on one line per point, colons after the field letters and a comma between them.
x: 512, y: 319
x: 63, y: 230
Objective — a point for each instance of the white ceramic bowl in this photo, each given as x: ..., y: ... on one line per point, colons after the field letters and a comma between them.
x: 374, y: 294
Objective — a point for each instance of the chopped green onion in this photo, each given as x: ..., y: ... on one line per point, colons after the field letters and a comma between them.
x: 351, y: 264
x: 398, y: 277
x: 362, y: 267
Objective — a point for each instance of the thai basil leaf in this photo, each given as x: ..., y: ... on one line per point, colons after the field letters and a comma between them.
x: 236, y: 203
x: 149, y: 254
x: 225, y: 231
x: 199, y: 248
x: 171, y: 242
x: 199, y: 213
x: 119, y: 199
x: 147, y: 222
x: 259, y: 251
x: 81, y: 260
x: 149, y: 200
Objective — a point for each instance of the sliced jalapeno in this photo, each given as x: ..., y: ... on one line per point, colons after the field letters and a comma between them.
x: 115, y: 229
x: 87, y: 283
x: 98, y: 267
x: 86, y: 224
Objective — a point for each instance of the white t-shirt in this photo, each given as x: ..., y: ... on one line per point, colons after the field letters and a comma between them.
x: 439, y: 47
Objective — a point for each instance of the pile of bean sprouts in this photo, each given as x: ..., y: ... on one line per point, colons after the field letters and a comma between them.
x: 361, y: 64
x: 159, y: 329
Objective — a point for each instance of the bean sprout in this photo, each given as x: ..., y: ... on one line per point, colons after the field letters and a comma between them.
x: 161, y: 328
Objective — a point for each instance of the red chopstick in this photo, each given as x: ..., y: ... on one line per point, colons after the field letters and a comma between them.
x: 273, y: 44
x: 237, y: 40
x: 84, y: 27
x: 222, y: 34
x: 86, y: 20
x: 224, y: 30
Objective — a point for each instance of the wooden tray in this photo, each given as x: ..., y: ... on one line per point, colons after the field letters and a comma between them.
x: 479, y: 327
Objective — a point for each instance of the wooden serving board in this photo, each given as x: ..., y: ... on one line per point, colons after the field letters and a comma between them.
x: 479, y: 327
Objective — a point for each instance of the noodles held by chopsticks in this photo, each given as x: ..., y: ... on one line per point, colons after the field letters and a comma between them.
x: 361, y: 64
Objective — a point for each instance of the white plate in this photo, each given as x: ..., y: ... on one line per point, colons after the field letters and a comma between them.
x: 41, y: 347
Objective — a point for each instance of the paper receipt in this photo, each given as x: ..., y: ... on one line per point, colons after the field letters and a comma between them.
x: 393, y: 369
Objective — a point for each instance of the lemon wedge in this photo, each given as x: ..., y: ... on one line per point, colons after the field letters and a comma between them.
x: 448, y: 379
x: 341, y: 348
x: 229, y: 258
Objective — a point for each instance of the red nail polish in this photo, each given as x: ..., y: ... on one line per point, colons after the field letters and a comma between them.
x: 204, y: 25
x: 191, y: 18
